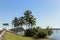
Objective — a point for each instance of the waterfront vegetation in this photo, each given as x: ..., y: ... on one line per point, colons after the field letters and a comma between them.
x: 38, y: 32
x: 32, y: 32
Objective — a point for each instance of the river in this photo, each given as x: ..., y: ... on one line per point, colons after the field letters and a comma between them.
x: 55, y: 35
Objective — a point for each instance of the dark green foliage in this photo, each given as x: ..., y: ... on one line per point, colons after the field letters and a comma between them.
x: 29, y: 32
x: 42, y: 34
x: 38, y: 32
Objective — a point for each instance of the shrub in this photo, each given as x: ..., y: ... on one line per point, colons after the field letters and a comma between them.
x: 38, y: 32
x: 42, y: 34
x: 29, y: 32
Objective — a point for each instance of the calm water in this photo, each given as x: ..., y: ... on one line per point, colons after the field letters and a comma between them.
x: 55, y: 35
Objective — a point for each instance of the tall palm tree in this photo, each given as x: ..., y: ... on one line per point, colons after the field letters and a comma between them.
x: 27, y: 14
x: 29, y: 18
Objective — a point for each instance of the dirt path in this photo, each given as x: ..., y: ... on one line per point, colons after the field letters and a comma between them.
x: 1, y: 34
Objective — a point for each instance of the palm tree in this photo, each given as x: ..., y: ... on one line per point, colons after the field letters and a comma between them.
x: 21, y: 21
x: 29, y: 18
x: 15, y: 22
x: 27, y: 14
x: 32, y: 21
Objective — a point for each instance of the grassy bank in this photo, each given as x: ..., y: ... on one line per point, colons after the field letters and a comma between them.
x: 12, y: 36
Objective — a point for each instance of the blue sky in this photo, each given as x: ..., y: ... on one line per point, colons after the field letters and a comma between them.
x: 47, y: 12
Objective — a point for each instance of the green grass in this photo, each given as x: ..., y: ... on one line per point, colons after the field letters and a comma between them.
x: 12, y: 36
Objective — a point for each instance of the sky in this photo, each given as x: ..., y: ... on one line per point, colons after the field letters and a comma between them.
x: 47, y: 12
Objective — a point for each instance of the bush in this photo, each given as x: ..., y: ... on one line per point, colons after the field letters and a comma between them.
x: 42, y: 34
x: 38, y: 32
x: 29, y: 32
